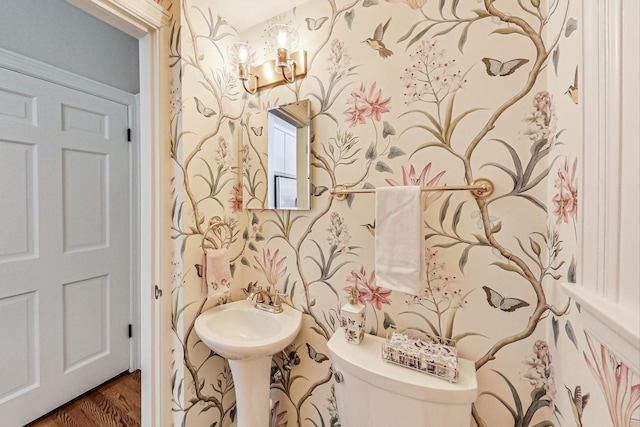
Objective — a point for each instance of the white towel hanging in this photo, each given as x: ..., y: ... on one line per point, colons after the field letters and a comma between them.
x: 398, y: 242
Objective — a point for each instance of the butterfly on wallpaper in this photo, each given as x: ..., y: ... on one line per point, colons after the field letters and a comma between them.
x: 202, y: 109
x: 505, y: 304
x: 501, y: 69
x: 315, y: 356
x: 315, y: 24
x: 257, y: 131
x: 573, y: 89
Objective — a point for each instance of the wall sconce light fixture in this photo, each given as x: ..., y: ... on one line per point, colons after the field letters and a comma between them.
x: 285, y: 68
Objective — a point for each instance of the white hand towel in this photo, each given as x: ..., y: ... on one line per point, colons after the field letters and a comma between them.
x: 216, y: 275
x: 398, y: 242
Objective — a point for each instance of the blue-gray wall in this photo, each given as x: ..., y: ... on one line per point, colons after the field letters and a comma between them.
x: 59, y: 34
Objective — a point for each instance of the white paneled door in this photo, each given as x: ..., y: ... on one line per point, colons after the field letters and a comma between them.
x: 64, y: 245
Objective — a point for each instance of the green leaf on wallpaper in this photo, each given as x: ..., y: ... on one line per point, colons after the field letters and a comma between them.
x: 447, y: 245
x: 245, y: 234
x: 572, y: 336
x: 388, y: 130
x: 509, y: 30
x: 395, y: 152
x: 254, y: 219
x: 252, y: 247
x: 454, y: 8
x: 349, y: 17
x: 481, y: 13
x: 572, y: 25
x: 444, y: 209
x: 441, y: 6
x: 244, y: 261
x: 535, y: 246
x: 232, y: 126
x: 252, y: 104
x: 456, y: 218
x: 388, y: 321
x: 383, y: 167
x: 463, y: 37
x: 371, y: 153
x: 508, y: 267
x: 420, y: 35
x: 232, y: 268
x: 408, y: 33
x: 555, y: 57
x: 571, y: 271
x: 368, y: 185
x: 464, y: 257
x: 350, y: 198
x: 367, y: 3
x: 259, y: 237
x: 318, y: 191
x: 556, y: 329
x: 446, y: 30
x: 481, y: 239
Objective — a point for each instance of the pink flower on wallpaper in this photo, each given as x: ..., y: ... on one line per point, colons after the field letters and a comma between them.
x: 616, y: 381
x: 566, y: 200
x: 273, y: 268
x: 413, y: 4
x: 365, y: 105
x: 235, y: 202
x: 367, y: 291
x: 410, y: 178
x: 431, y: 76
x: 269, y: 104
x: 278, y: 419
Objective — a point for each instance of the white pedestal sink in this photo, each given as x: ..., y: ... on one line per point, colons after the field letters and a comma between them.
x: 247, y: 337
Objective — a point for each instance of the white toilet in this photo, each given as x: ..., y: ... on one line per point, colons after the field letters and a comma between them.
x: 371, y: 392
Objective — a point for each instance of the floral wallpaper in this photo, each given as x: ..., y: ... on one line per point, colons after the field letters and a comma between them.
x: 403, y: 92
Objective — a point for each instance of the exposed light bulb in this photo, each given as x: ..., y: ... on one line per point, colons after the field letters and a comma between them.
x: 243, y: 54
x: 282, y: 38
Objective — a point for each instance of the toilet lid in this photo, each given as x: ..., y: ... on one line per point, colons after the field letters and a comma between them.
x: 365, y: 362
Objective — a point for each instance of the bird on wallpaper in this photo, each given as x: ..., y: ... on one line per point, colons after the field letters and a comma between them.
x: 371, y: 228
x: 573, y: 89
x: 376, y: 43
x: 578, y: 402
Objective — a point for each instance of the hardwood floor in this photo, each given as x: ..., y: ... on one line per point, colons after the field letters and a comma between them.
x: 115, y: 403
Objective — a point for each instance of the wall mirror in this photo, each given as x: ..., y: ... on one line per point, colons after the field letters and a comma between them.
x: 275, y: 158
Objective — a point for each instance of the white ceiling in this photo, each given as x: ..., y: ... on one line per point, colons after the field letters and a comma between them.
x: 243, y: 14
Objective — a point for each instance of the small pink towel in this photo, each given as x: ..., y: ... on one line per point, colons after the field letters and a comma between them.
x: 216, y: 275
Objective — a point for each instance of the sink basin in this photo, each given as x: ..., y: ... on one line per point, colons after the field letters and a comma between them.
x: 247, y: 338
x: 238, y: 330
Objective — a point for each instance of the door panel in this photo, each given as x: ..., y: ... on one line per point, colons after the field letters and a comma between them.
x: 64, y: 244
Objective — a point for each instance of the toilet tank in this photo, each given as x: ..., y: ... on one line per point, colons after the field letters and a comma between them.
x: 371, y: 392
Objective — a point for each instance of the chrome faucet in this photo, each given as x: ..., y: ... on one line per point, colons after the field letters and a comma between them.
x: 264, y: 299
